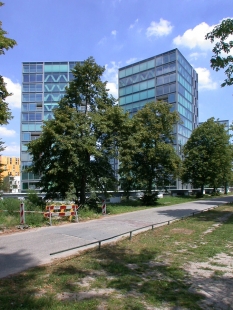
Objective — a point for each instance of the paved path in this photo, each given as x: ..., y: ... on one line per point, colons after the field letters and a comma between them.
x: 20, y: 251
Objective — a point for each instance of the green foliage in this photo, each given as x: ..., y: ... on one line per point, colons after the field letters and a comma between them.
x: 73, y: 151
x: 5, y: 184
x: 5, y: 43
x: 208, y: 156
x: 149, y: 199
x: 33, y: 201
x: 147, y: 155
x: 221, y: 32
x: 9, y: 204
x: 5, y: 113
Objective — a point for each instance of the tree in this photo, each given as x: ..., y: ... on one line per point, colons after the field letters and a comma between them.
x: 5, y: 184
x: 148, y: 157
x: 5, y: 43
x: 73, y: 151
x: 2, y: 148
x: 5, y: 113
x: 207, y: 156
x: 218, y: 61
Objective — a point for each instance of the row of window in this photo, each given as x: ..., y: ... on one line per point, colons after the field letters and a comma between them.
x: 49, y: 78
x: 57, y: 77
x: 24, y: 147
x: 150, y: 93
x: 165, y: 89
x: 185, y: 103
x: 31, y: 106
x: 163, y: 59
x: 184, y: 83
x: 53, y: 97
x: 34, y: 97
x: 137, y: 68
x: 32, y: 68
x: 32, y: 88
x: 185, y: 93
x: 38, y: 106
x: 32, y: 116
x: 136, y: 87
x: 184, y: 73
x: 30, y: 185
x: 32, y: 78
x: 184, y: 63
x: 184, y: 131
x: 27, y: 136
x: 185, y: 112
x: 58, y: 87
x: 133, y: 79
x: 186, y: 123
x: 31, y: 127
x: 138, y: 105
x: 166, y: 69
x: 164, y: 79
x: 26, y: 164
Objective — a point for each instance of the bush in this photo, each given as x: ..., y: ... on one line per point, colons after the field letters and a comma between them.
x: 199, y: 195
x: 33, y: 201
x: 149, y: 199
x: 92, y: 203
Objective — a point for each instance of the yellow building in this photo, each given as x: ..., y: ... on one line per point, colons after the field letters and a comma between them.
x: 11, y: 166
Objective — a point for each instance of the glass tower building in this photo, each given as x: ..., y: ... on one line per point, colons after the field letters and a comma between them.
x: 168, y: 77
x: 43, y: 85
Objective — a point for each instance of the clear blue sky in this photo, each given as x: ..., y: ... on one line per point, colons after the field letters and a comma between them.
x: 115, y: 33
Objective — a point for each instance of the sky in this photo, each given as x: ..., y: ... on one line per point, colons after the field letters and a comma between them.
x: 116, y: 33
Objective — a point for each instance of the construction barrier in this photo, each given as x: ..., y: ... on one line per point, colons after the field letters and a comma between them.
x: 60, y: 211
x: 104, y: 209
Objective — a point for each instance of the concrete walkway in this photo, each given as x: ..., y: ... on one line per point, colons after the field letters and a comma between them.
x: 20, y: 251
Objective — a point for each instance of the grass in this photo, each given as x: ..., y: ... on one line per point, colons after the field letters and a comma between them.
x: 147, y: 271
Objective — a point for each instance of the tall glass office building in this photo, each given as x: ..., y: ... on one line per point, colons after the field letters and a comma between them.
x: 43, y: 85
x: 168, y: 77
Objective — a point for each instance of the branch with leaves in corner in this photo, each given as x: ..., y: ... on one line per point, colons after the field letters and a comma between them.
x: 5, y: 43
x: 223, y: 46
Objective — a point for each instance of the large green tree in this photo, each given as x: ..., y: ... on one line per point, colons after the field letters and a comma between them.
x: 223, y: 47
x: 207, y: 156
x: 72, y: 154
x: 147, y: 156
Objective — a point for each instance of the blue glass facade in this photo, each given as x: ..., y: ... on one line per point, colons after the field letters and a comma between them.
x: 43, y: 85
x: 168, y: 77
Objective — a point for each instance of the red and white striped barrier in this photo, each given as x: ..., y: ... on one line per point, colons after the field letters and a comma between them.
x: 104, y: 209
x: 63, y: 210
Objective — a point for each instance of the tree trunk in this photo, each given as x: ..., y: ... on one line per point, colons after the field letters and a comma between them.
x: 202, y: 189
x: 83, y: 189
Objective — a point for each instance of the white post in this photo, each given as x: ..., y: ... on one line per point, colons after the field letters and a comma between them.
x: 76, y: 214
x: 104, y: 210
x: 50, y: 216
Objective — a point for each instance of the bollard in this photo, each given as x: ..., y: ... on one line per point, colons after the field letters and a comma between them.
x: 130, y: 236
x: 104, y: 211
x: 22, y: 214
